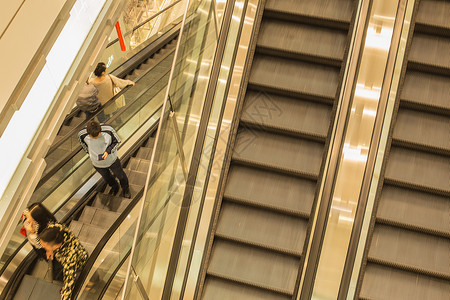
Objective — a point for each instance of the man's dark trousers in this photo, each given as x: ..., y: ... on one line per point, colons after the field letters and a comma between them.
x: 117, y: 170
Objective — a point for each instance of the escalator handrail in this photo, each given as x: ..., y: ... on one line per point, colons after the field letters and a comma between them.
x: 144, y: 22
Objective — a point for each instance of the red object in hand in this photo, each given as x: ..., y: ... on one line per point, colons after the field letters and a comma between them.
x: 119, y: 34
x: 23, y: 231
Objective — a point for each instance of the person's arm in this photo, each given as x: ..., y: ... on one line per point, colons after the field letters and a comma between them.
x: 81, y: 136
x: 115, y: 139
x: 121, y: 82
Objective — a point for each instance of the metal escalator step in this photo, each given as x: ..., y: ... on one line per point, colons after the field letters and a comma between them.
x: 286, y: 154
x: 32, y: 288
x: 150, y: 142
x: 302, y: 41
x: 419, y: 170
x: 386, y: 283
x: 138, y: 164
x: 416, y: 251
x: 414, y: 210
x: 115, y: 204
x: 144, y: 153
x: 136, y: 177
x: 294, y: 77
x: 434, y: 13
x: 262, y: 227
x: 270, y: 190
x: 65, y: 130
x: 432, y: 51
x: 216, y: 288
x: 254, y: 266
x: 87, y: 233
x: 76, y: 121
x: 340, y: 10
x: 286, y: 114
x: 98, y: 217
x: 424, y: 89
x: 424, y: 129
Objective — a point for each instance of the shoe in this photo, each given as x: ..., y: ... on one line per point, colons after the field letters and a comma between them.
x: 126, y: 193
x: 113, y: 191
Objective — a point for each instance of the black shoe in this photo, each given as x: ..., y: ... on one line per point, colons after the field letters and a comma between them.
x: 113, y: 191
x: 126, y: 193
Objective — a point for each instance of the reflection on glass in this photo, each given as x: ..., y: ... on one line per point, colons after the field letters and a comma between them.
x: 164, y: 195
x: 357, y: 141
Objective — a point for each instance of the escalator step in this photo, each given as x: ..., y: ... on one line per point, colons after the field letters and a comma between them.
x: 425, y: 253
x: 65, y: 130
x: 423, y: 89
x: 294, y: 77
x: 33, y: 288
x: 76, y: 121
x: 270, y: 190
x: 299, y: 40
x: 150, y: 142
x: 286, y: 114
x: 418, y: 169
x: 434, y: 13
x: 386, y: 283
x: 136, y: 177
x: 414, y: 210
x: 339, y: 10
x: 98, y: 217
x: 425, y: 129
x: 138, y: 164
x: 144, y: 153
x: 262, y: 227
x: 216, y: 288
x: 253, y: 266
x: 87, y: 233
x: 432, y: 51
x: 286, y: 154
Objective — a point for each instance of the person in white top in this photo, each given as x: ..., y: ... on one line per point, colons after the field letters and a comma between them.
x: 105, y: 84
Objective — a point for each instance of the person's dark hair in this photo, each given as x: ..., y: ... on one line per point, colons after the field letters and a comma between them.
x: 93, y: 128
x: 101, y: 67
x: 52, y: 235
x: 41, y: 215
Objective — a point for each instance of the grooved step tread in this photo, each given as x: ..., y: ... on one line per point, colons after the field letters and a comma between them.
x: 416, y: 250
x: 138, y: 164
x: 87, y: 233
x: 266, y: 149
x: 268, y: 189
x: 426, y: 89
x: 430, y: 50
x: 335, y: 10
x: 419, y: 168
x: 32, y: 288
x: 257, y: 266
x: 262, y: 227
x: 217, y: 288
x: 294, y: 76
x: 414, y: 208
x: 99, y: 217
x: 386, y: 283
x: 423, y: 128
x: 434, y: 12
x: 302, y: 39
x: 286, y: 113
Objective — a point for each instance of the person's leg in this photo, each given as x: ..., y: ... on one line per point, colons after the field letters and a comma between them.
x: 118, y: 171
x: 109, y: 178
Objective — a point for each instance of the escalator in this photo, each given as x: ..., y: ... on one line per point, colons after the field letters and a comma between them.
x: 264, y: 222
x: 407, y: 253
x: 96, y: 216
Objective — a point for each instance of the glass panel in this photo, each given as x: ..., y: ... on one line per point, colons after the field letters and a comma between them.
x: 208, y: 145
x: 166, y: 188
x: 138, y: 31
